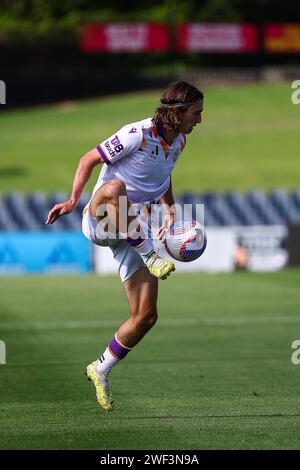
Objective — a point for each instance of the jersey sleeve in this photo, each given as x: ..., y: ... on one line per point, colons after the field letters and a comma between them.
x: 126, y: 141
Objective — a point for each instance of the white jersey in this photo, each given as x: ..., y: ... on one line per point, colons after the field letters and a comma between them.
x: 138, y: 155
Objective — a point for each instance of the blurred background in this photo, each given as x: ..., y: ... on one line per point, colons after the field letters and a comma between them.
x: 71, y: 74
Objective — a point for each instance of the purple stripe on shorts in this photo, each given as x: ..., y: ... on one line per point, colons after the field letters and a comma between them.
x: 136, y: 242
x: 117, y: 350
x: 103, y: 155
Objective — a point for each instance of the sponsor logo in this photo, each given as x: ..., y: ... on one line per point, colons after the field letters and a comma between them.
x: 118, y: 147
x: 113, y: 146
x: 109, y: 149
x: 176, y: 155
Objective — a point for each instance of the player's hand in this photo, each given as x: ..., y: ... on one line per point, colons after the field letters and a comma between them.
x: 58, y: 210
x: 168, y: 221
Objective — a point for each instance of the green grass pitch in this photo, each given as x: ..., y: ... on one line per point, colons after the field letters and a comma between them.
x: 214, y: 373
x: 249, y: 139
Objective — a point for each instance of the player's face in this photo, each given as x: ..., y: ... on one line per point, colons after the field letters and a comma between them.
x: 191, y: 117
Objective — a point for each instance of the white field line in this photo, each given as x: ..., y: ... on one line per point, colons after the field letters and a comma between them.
x: 84, y: 324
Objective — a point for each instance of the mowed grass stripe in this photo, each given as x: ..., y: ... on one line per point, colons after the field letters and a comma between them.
x: 173, y: 323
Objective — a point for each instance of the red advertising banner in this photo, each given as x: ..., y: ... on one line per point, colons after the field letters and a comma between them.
x: 282, y: 38
x: 125, y: 37
x: 217, y: 38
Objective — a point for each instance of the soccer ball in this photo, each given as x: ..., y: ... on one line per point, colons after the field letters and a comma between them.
x: 185, y: 240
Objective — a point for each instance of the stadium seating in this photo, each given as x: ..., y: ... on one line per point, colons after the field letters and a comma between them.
x: 286, y: 206
x: 262, y: 206
x: 20, y: 213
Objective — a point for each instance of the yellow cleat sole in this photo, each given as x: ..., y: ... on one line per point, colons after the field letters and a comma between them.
x: 104, y: 403
x: 167, y: 274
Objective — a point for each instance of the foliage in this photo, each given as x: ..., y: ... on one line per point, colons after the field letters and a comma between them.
x: 43, y: 18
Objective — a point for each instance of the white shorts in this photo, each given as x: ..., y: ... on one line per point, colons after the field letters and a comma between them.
x: 128, y: 259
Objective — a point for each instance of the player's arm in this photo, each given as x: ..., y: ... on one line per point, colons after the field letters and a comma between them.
x: 168, y: 204
x: 83, y: 172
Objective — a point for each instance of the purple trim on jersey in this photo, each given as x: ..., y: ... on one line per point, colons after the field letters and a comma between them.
x: 117, y: 350
x: 103, y: 155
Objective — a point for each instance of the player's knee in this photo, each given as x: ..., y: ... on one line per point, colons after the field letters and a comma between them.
x: 115, y: 188
x: 148, y: 319
x: 152, y: 319
x: 108, y: 194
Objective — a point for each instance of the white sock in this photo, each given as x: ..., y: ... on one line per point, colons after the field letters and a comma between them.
x: 142, y: 243
x: 106, y: 362
x: 144, y: 249
x: 112, y: 355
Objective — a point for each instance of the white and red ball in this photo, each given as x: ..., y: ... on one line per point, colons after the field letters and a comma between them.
x: 186, y: 240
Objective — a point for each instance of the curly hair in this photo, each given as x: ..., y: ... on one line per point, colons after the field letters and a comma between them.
x: 170, y: 109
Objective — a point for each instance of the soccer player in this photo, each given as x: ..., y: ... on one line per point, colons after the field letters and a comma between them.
x: 137, y: 164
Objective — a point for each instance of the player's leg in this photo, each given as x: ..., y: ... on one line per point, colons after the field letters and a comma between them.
x: 141, y: 291
x: 105, y: 205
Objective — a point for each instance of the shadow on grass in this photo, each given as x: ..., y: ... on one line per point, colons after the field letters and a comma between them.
x: 13, y: 171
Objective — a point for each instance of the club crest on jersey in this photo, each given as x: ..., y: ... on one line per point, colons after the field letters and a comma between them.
x: 133, y: 130
x: 176, y: 155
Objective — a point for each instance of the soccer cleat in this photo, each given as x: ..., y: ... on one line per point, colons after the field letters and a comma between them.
x: 101, y: 382
x: 159, y: 267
